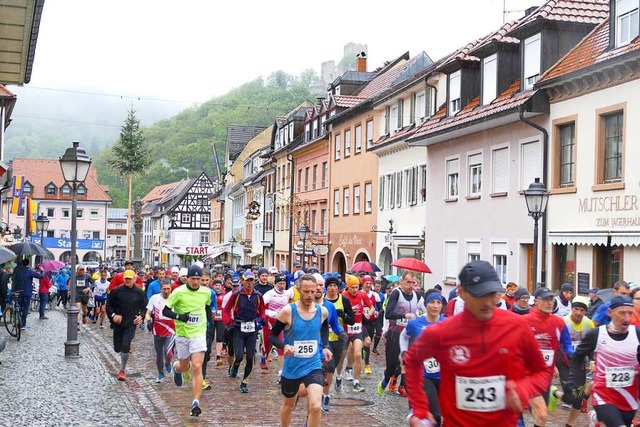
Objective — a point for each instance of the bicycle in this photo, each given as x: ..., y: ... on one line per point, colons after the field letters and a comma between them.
x: 13, y: 316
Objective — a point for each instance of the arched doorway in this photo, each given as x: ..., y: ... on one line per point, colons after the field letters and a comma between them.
x: 385, y: 260
x: 339, y: 263
x: 92, y: 256
x: 361, y: 257
x: 66, y: 257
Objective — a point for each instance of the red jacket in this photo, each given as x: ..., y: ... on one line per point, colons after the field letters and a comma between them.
x: 45, y: 284
x: 118, y: 280
x: 552, y: 336
x: 498, y: 350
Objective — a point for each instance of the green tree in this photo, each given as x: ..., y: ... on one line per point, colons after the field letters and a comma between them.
x: 130, y: 158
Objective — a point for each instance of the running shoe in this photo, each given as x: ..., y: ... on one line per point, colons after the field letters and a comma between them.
x: 177, y: 376
x: 326, y: 402
x: 167, y: 367
x: 381, y: 388
x: 375, y: 351
x: 44, y: 318
x: 274, y: 353
x: 101, y: 326
x: 244, y: 388
x: 358, y: 387
x: 393, y: 385
x: 160, y: 377
x: 367, y: 369
x: 554, y: 394
x: 25, y: 327
x: 219, y: 362
x: 338, y: 384
x: 186, y: 375
x: 263, y: 362
x: 593, y: 419
x: 205, y: 385
x: 195, y: 409
x: 121, y: 376
x: 402, y: 391
x: 348, y: 374
x: 269, y: 358
x: 233, y: 372
x: 279, y: 377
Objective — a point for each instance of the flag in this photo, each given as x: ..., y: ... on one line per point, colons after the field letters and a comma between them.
x: 217, y: 162
x: 17, y: 195
x: 32, y: 214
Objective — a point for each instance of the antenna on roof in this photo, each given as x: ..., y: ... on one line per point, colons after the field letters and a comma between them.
x: 506, y: 11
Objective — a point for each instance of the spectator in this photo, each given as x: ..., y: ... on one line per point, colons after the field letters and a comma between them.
x: 43, y: 291
x: 4, y: 289
x: 595, y: 302
x: 23, y: 282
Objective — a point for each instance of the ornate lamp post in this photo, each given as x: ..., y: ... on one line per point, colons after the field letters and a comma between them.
x: 75, y: 166
x: 42, y: 225
x: 233, y: 241
x: 536, y: 197
x: 304, y: 233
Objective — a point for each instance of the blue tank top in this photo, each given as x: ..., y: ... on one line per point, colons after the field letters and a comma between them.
x: 304, y: 336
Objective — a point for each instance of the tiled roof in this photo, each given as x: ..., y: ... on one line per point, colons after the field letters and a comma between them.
x: 582, y: 11
x: 6, y: 93
x: 158, y: 192
x: 40, y: 172
x: 238, y: 136
x: 402, y: 134
x: 173, y: 194
x: 439, y: 122
x: 116, y: 213
x: 348, y: 101
x: 383, y: 79
x: 590, y: 51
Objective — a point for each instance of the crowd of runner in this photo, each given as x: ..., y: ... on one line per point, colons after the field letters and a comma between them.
x: 482, y: 355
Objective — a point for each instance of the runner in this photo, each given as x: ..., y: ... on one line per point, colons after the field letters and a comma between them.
x: 247, y: 308
x: 189, y: 305
x: 206, y: 283
x: 487, y: 375
x: 274, y: 300
x: 163, y: 329
x: 100, y: 297
x: 227, y: 319
x: 126, y: 307
x: 84, y: 283
x: 338, y: 347
x: 218, y: 324
x: 369, y: 323
x: 305, y: 331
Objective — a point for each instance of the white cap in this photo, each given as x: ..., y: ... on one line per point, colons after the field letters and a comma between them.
x: 319, y: 278
x: 199, y: 264
x: 175, y: 270
x: 273, y: 270
x: 183, y: 271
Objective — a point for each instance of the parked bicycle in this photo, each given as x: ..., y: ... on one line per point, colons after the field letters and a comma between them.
x: 13, y: 315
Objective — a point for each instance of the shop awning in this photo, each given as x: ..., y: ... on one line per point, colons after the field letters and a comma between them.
x: 577, y: 238
x: 625, y: 239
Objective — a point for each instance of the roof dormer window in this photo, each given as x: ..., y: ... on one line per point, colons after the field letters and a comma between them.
x: 27, y: 188
x: 531, y: 61
x: 489, y: 78
x: 454, y: 93
x: 82, y: 190
x: 66, y: 190
x: 627, y: 27
x: 51, y: 189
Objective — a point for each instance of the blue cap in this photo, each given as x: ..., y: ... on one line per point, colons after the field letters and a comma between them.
x: 479, y: 278
x: 594, y: 290
x: 235, y: 282
x: 194, y: 271
x: 620, y: 301
x: 248, y: 275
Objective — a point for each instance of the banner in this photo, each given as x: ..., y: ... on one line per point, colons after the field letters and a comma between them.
x: 217, y: 163
x: 17, y: 195
x: 32, y: 214
x: 60, y: 243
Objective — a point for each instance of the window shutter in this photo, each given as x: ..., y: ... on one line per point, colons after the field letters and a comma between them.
x: 392, y: 190
x: 412, y: 109
x: 452, y: 166
x: 400, y: 113
x: 386, y: 120
x: 399, y: 189
x: 451, y: 261
x: 500, y: 170
x: 427, y: 104
x: 381, y: 193
x: 414, y: 185
x: 473, y: 247
x: 530, y: 163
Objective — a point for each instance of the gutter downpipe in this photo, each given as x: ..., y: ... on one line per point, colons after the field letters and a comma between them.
x: 293, y: 174
x: 545, y: 169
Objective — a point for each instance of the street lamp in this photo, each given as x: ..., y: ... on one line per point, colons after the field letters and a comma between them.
x: 536, y: 197
x: 42, y: 225
x: 233, y: 241
x: 304, y: 233
x: 75, y: 166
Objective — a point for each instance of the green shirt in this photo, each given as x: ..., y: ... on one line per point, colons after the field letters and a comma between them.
x: 183, y: 300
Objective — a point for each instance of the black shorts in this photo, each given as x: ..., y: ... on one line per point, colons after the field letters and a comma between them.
x: 100, y: 303
x: 82, y: 298
x: 352, y: 338
x: 290, y: 386
x: 336, y: 350
x: 228, y: 340
x: 368, y: 330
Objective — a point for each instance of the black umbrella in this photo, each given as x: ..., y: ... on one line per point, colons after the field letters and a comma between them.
x: 6, y: 255
x: 31, y: 248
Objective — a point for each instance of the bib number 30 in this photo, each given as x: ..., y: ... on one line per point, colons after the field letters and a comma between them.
x: 480, y: 394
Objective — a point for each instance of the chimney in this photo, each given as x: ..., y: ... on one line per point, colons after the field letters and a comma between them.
x: 530, y: 10
x: 361, y: 62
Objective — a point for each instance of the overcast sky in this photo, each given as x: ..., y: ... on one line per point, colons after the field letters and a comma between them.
x: 193, y: 50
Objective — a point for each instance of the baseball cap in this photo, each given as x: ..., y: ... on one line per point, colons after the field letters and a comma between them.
x: 279, y: 278
x: 479, y: 278
x: 248, y: 275
x: 522, y: 292
x: 128, y: 262
x: 128, y: 274
x: 620, y: 301
x: 543, y: 292
x: 297, y: 264
x: 80, y: 267
x: 175, y: 270
x: 594, y: 290
x: 183, y: 272
x: 235, y: 282
x: 194, y: 271
x: 367, y: 279
x: 273, y: 270
x: 580, y: 301
x: 297, y: 274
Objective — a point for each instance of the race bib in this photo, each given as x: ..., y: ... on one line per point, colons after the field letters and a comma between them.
x: 480, y: 394
x: 366, y: 311
x: 80, y: 284
x: 248, y: 326
x: 194, y: 319
x: 617, y: 377
x: 402, y: 322
x: 217, y: 314
x: 547, y: 355
x: 305, y: 349
x: 431, y: 366
x: 354, y: 329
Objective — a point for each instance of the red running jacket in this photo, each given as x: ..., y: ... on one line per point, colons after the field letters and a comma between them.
x: 476, y: 359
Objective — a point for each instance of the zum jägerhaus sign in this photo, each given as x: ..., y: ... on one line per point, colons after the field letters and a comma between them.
x: 612, y: 204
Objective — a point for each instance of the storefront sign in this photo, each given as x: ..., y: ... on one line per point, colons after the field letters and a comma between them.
x: 608, y: 204
x: 60, y: 243
x: 583, y: 283
x: 350, y: 239
x: 632, y: 221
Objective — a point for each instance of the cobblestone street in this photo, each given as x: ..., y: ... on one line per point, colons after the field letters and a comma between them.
x: 39, y: 387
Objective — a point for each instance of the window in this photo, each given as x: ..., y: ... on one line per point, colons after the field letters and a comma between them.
x: 314, y: 217
x: 358, y: 139
x: 607, y: 265
x: 474, y: 186
x: 66, y: 190
x: 204, y: 237
x: 421, y: 107
x: 531, y: 61
x: 411, y: 180
x: 336, y: 202
x: 423, y: 184
x: 530, y: 163
x: 381, y: 192
x: 51, y: 233
x: 27, y: 189
x: 338, y: 146
x: 369, y: 134
x: 500, y: 170
x: 452, y: 178
x: 82, y: 191
x: 345, y: 202
x: 451, y: 261
x: 314, y: 182
x: 367, y: 197
x: 51, y: 212
x: 565, y: 264
x: 186, y: 217
x: 306, y: 179
x: 96, y: 235
x: 613, y: 147
x: 566, y: 155
x: 205, y: 218
x: 347, y: 142
x: 626, y: 21
x: 473, y: 251
x: 499, y: 251
x: 51, y: 190
x: 325, y: 174
x: 94, y: 213
x: 393, y: 118
x: 412, y: 109
x: 65, y: 213
x: 454, y: 93
x: 299, y: 180
x: 489, y: 78
x: 80, y: 213
x: 399, y: 189
x: 390, y: 190
x: 356, y: 199
x: 323, y: 222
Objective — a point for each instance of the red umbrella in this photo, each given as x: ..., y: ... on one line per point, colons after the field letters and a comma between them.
x: 411, y: 264
x: 52, y: 265
x: 365, y: 266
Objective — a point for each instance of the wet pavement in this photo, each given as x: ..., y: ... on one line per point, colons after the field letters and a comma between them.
x: 40, y: 387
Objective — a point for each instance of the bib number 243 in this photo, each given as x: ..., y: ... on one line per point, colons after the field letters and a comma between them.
x: 481, y: 394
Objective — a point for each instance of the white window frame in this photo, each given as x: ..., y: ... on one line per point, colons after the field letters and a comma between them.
x: 338, y: 146
x: 452, y: 168
x: 626, y: 13
x: 528, y: 169
x: 532, y: 60
x: 489, y: 78
x: 455, y: 90
x: 393, y: 118
x: 346, y: 194
x: 336, y: 202
x: 369, y: 134
x: 421, y: 106
x: 358, y: 139
x: 356, y: 199
x: 474, y: 250
x: 500, y: 171
x: 451, y: 261
x: 94, y: 214
x: 500, y: 253
x: 422, y: 183
x: 347, y: 142
x: 368, y: 197
x: 66, y: 213
x: 51, y: 213
x: 474, y: 174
